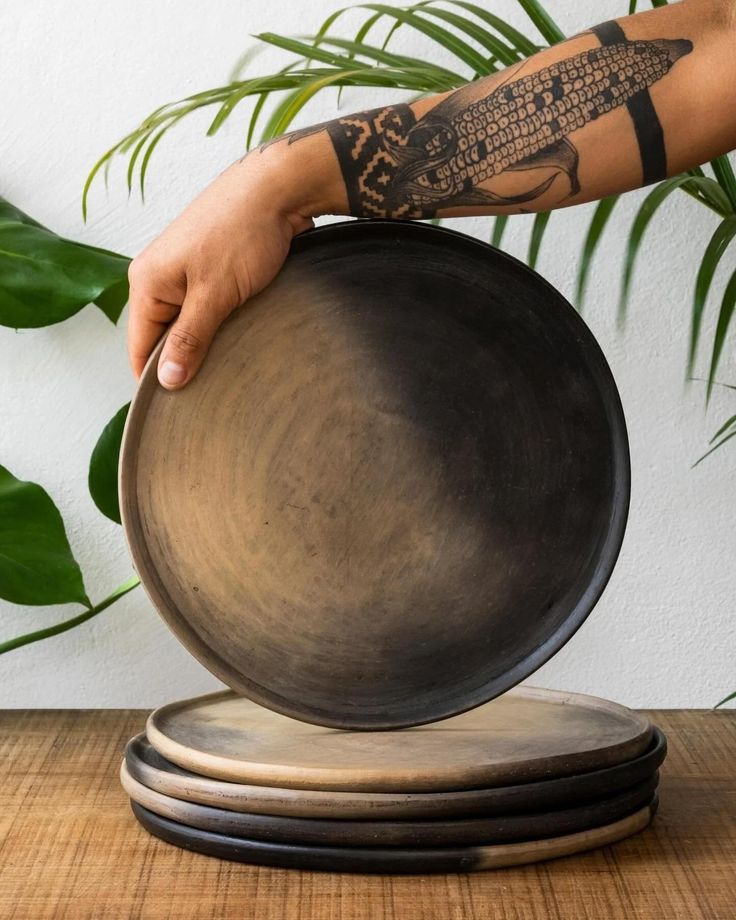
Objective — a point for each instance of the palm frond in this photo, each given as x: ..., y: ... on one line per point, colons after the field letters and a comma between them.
x: 543, y: 22
x: 715, y: 249
x: 598, y: 223
x: 649, y: 207
x: 725, y: 314
x: 535, y: 239
x: 499, y: 226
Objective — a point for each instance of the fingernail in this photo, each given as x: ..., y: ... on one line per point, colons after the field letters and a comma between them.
x: 171, y: 374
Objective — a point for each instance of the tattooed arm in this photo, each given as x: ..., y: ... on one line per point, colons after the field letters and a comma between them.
x: 618, y: 106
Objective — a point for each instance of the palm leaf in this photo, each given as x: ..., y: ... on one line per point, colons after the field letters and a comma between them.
x: 647, y: 210
x: 499, y: 226
x: 543, y: 22
x: 444, y: 78
x: 715, y: 448
x: 516, y: 39
x: 718, y: 244
x: 727, y: 699
x: 724, y: 174
x: 597, y: 225
x: 535, y: 238
x: 448, y: 40
x: 724, y: 320
x: 724, y: 427
x: 500, y: 50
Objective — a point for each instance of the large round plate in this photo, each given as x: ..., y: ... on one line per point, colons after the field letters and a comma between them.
x: 146, y: 765
x: 428, y: 833
x: 397, y: 486
x: 526, y: 734
x: 387, y: 859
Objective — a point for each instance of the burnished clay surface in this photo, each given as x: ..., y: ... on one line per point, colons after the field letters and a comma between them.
x: 393, y: 860
x: 398, y: 484
x: 526, y: 734
x: 423, y: 833
x: 147, y: 766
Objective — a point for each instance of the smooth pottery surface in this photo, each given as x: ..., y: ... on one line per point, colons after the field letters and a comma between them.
x: 148, y: 767
x: 407, y: 833
x: 527, y: 734
x: 392, y: 860
x: 397, y: 486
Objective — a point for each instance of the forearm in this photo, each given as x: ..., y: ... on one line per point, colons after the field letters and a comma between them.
x: 610, y: 109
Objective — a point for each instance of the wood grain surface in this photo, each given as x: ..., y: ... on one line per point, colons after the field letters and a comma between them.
x: 70, y: 849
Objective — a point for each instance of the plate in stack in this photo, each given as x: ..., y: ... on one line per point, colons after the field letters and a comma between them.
x: 531, y: 775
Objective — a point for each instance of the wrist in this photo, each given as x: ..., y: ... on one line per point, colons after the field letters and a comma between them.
x: 302, y: 179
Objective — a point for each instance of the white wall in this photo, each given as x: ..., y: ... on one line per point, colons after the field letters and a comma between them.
x: 74, y: 78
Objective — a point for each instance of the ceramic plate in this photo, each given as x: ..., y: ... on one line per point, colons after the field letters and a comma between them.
x: 526, y: 734
x: 386, y: 859
x: 397, y: 486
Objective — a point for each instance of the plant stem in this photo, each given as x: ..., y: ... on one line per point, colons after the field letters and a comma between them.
x: 119, y: 592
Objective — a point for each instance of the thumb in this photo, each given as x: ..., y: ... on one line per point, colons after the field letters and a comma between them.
x: 189, y: 339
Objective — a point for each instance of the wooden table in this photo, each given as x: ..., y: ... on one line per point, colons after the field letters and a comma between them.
x: 70, y: 847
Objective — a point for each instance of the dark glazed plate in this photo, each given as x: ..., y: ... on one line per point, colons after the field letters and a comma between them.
x: 148, y: 767
x: 389, y: 859
x: 398, y: 485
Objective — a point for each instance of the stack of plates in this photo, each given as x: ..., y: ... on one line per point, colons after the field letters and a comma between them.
x: 396, y: 487
x: 532, y: 775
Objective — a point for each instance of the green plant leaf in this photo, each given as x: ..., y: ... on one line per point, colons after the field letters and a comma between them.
x: 544, y: 23
x: 535, y: 238
x: 500, y: 50
x: 499, y: 227
x: 103, y: 466
x: 518, y: 40
x: 708, y: 192
x: 724, y: 320
x: 646, y: 212
x: 724, y: 427
x: 718, y: 244
x: 443, y: 78
x: 715, y: 448
x: 45, y: 279
x: 65, y: 625
x: 36, y: 562
x: 446, y: 39
x: 592, y: 238
x: 727, y: 699
x: 723, y: 171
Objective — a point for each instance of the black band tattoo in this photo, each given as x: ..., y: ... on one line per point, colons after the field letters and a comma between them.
x: 647, y: 126
x: 395, y: 165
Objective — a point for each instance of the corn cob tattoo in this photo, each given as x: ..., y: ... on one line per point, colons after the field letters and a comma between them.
x: 395, y: 165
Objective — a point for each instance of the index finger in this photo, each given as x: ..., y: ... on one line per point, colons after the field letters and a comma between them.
x: 148, y: 320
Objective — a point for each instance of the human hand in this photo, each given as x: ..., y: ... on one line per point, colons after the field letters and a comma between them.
x: 227, y: 245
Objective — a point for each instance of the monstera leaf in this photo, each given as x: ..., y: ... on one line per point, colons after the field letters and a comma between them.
x: 36, y: 562
x: 103, y: 466
x: 45, y: 279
